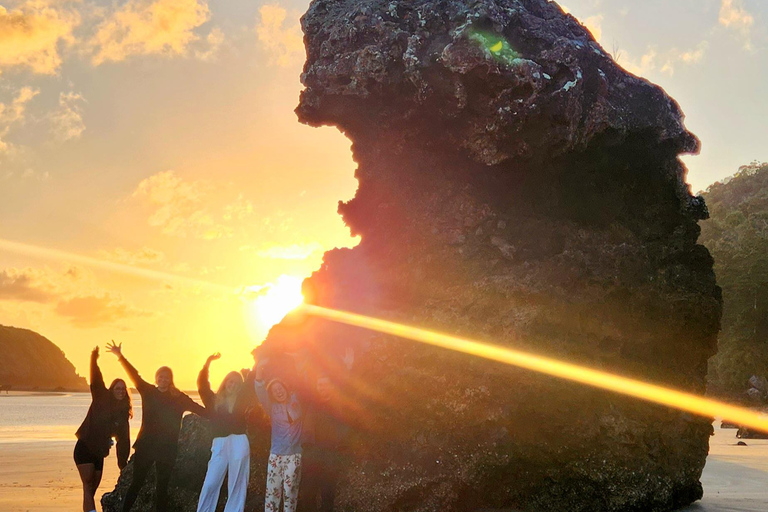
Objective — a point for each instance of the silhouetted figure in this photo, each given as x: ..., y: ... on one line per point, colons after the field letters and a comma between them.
x: 107, y: 417
x: 284, y: 467
x: 325, y: 437
x: 163, y: 405
x: 228, y: 410
x: 325, y: 440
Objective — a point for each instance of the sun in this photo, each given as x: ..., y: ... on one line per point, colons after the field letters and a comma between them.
x: 275, y: 300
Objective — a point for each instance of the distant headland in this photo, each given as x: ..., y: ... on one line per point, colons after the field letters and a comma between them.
x: 29, y: 361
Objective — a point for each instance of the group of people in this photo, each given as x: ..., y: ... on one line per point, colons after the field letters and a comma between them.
x: 306, y: 431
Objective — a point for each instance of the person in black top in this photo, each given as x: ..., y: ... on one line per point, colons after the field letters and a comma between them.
x: 230, y: 451
x: 107, y: 417
x: 325, y: 438
x: 163, y: 405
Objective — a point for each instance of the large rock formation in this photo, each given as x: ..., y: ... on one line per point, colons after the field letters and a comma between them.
x: 31, y: 361
x: 515, y: 185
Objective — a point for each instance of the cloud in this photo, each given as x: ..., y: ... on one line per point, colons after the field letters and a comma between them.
x: 213, y: 43
x: 665, y: 61
x: 182, y: 208
x: 31, y: 34
x: 735, y: 17
x: 95, y: 310
x: 284, y: 43
x: 595, y: 25
x: 67, y: 122
x: 675, y: 57
x: 22, y: 285
x: 13, y: 112
x: 290, y: 252
x: 146, y: 27
x: 143, y: 256
x: 640, y: 67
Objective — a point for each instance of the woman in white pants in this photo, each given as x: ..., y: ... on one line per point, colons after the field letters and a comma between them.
x: 230, y: 451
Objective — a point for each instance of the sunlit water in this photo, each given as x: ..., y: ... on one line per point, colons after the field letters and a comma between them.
x: 40, y: 417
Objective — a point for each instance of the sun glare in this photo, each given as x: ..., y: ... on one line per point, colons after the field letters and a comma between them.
x: 275, y: 300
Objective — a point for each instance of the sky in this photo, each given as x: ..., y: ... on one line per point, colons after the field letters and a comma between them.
x: 159, y: 135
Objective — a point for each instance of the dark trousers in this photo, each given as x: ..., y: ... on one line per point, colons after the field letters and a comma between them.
x: 142, y: 463
x: 319, y: 476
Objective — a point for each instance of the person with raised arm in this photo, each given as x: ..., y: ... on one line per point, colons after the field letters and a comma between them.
x: 162, y: 407
x: 228, y: 410
x: 325, y: 439
x: 107, y: 417
x: 284, y: 467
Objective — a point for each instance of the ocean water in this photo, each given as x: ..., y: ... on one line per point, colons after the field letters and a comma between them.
x: 30, y: 417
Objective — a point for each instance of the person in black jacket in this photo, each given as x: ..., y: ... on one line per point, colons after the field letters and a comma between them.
x: 230, y: 451
x: 107, y: 417
x: 163, y: 405
x: 325, y: 438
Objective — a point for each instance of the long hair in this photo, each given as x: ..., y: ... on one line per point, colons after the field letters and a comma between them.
x: 172, y: 389
x: 126, y: 404
x: 221, y: 394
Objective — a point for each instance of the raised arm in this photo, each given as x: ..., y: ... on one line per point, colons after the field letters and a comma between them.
x: 195, y: 408
x: 133, y: 374
x: 204, y: 384
x: 259, y: 388
x: 97, y: 379
x: 123, y: 436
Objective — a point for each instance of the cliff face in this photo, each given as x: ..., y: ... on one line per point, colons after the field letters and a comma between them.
x: 515, y: 185
x: 29, y: 360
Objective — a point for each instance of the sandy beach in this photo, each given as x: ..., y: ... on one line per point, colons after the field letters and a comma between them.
x: 40, y: 476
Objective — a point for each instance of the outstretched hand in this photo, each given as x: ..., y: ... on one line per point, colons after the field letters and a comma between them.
x: 213, y: 357
x: 95, y: 351
x: 114, y: 348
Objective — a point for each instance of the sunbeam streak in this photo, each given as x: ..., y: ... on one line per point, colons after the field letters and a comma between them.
x: 638, y: 389
x: 121, y: 268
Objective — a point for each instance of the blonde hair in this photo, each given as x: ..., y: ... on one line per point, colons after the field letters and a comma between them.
x: 221, y: 394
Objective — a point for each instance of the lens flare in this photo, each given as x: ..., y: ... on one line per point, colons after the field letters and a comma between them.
x: 275, y: 300
x: 638, y: 389
x: 497, y: 46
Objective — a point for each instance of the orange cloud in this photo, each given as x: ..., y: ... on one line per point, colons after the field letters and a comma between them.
x: 144, y: 27
x: 67, y: 121
x: 22, y: 285
x: 14, y: 112
x: 284, y: 43
x: 95, y: 310
x: 290, y: 252
x: 30, y: 35
x: 182, y: 208
x: 143, y: 256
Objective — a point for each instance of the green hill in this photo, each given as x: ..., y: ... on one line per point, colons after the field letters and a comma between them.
x: 737, y: 237
x: 29, y: 360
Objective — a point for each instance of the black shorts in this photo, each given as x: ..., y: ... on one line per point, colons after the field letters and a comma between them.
x: 84, y: 456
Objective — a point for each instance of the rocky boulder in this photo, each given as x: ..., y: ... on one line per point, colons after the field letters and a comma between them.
x: 515, y: 185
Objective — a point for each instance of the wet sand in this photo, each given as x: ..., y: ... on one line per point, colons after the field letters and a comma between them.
x: 735, y: 478
x: 41, y: 476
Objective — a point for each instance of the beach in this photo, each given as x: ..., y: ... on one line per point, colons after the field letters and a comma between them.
x: 37, y: 472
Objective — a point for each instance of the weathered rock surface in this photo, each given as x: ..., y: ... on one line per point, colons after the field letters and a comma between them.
x: 31, y: 361
x: 517, y: 186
